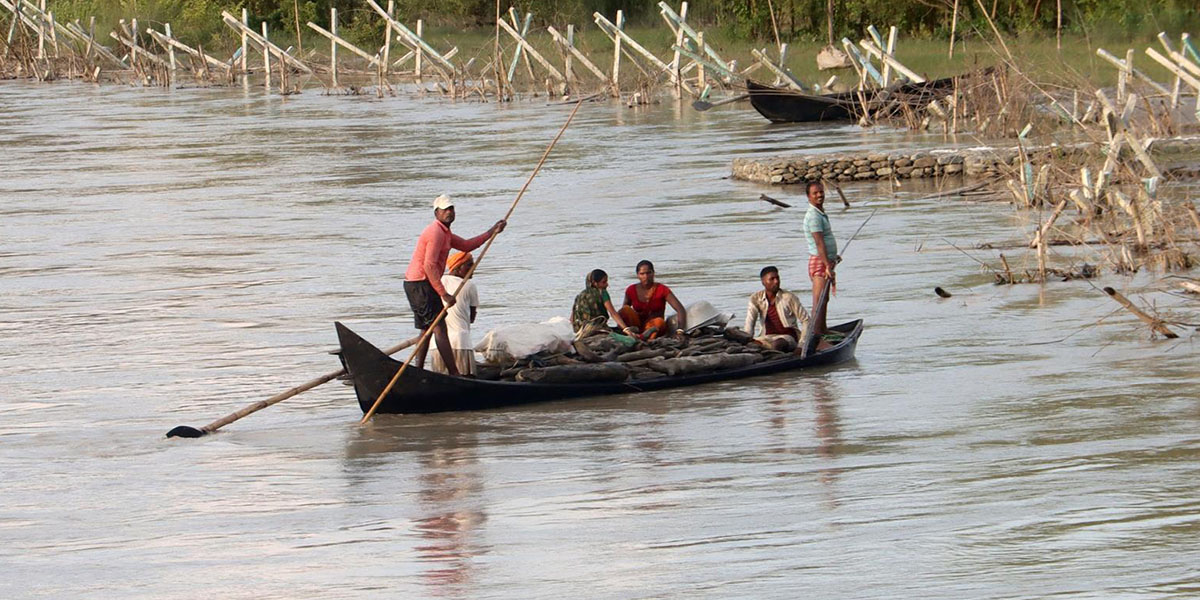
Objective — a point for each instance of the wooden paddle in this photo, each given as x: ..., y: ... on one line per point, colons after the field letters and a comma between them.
x: 703, y: 105
x: 442, y: 315
x: 191, y: 432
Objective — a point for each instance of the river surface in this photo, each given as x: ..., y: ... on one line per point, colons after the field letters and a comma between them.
x: 167, y: 257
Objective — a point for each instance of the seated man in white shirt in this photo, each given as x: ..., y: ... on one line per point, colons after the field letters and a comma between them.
x: 780, y: 312
x: 460, y: 316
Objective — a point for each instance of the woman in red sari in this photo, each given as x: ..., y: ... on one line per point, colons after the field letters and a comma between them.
x: 646, y: 303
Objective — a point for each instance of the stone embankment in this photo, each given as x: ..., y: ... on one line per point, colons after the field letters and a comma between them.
x: 971, y: 162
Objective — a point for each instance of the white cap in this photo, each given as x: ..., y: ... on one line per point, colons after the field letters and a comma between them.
x: 442, y: 202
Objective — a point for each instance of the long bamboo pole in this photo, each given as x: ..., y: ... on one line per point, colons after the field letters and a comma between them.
x: 442, y: 315
x: 192, y: 432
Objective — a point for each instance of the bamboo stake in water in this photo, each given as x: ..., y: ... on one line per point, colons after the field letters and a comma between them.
x: 387, y: 38
x: 420, y: 53
x: 170, y: 48
x: 442, y: 315
x: 245, y: 25
x: 266, y: 51
x: 616, y: 70
x: 333, y: 44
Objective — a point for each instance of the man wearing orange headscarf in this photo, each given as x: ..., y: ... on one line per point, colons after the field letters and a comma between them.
x: 460, y: 316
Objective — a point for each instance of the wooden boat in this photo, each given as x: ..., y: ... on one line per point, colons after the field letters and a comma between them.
x: 782, y: 105
x: 420, y: 391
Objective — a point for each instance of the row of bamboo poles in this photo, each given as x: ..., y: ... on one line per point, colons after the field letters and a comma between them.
x: 39, y: 46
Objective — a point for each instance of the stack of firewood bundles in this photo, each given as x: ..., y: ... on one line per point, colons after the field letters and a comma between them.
x: 607, y: 357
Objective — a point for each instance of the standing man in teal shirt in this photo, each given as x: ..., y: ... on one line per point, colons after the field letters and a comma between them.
x: 822, y: 252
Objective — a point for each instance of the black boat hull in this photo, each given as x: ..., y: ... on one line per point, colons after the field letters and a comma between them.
x: 787, y: 106
x: 420, y: 391
x: 782, y: 105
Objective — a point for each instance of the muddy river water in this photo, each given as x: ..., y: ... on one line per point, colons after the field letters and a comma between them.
x: 169, y: 257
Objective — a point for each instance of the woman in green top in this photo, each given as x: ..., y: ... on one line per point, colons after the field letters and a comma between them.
x: 593, y: 304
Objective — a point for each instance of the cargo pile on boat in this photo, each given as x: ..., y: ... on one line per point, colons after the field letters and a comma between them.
x: 608, y: 357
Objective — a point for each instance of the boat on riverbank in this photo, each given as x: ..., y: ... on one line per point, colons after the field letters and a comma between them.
x: 421, y: 391
x: 782, y: 105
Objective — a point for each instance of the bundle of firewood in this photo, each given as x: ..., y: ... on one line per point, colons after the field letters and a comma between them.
x: 608, y: 357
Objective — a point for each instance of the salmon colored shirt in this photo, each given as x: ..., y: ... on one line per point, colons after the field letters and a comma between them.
x: 433, y: 247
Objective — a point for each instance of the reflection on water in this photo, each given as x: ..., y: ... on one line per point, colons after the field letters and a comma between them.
x: 166, y: 258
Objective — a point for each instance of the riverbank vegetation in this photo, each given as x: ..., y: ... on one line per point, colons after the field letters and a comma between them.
x: 807, y: 23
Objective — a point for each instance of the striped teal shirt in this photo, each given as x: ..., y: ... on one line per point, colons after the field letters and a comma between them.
x: 815, y: 220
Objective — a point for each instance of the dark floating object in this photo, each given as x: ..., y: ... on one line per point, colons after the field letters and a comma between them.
x: 767, y: 198
x: 942, y: 293
x: 420, y: 391
x: 184, y: 431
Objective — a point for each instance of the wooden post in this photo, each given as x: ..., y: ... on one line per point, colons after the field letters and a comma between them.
x: 1166, y: 44
x: 12, y: 27
x: 1155, y: 324
x: 133, y: 36
x: 683, y: 8
x: 953, y: 26
x: 1057, y: 23
x: 616, y: 68
x: 266, y: 52
x: 782, y: 60
x: 567, y: 72
x: 700, y: 78
x: 419, y: 52
x: 1123, y: 76
x: 41, y: 30
x: 333, y: 46
x: 53, y: 32
x: 890, y: 51
x: 245, y: 25
x: 387, y: 38
x: 170, y: 48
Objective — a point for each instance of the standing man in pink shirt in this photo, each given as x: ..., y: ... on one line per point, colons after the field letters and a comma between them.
x: 423, y: 279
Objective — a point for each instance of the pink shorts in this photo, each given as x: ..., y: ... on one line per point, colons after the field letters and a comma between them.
x: 816, y: 267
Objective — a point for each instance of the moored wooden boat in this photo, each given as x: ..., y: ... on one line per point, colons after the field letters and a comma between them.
x: 782, y: 105
x: 420, y: 391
